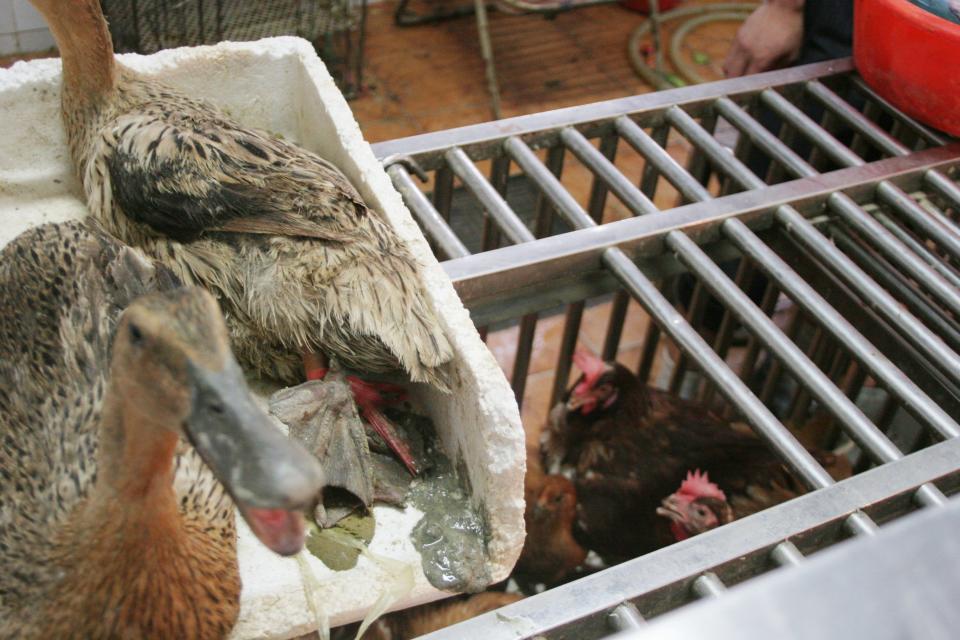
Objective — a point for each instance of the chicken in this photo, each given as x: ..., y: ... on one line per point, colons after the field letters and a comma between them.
x: 697, y: 506
x: 418, y: 621
x: 550, y: 552
x: 627, y: 446
x: 303, y: 269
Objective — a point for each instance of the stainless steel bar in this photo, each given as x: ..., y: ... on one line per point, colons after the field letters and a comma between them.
x: 568, y: 343
x: 631, y: 196
x: 931, y: 221
x: 833, y: 148
x: 658, y: 157
x: 867, y: 227
x: 650, y: 176
x: 669, y: 319
x: 767, y: 305
x: 708, y: 585
x: 802, y: 292
x: 697, y: 166
x: 935, y: 262
x: 429, y: 218
x: 443, y: 191
x: 693, y: 316
x: 648, y: 354
x: 728, y: 323
x: 508, y: 221
x: 574, y: 314
x: 819, y: 385
x: 889, y: 588
x: 480, y: 141
x: 902, y: 288
x: 521, y: 363
x: 618, y: 313
x: 924, y: 132
x: 579, y: 608
x: 625, y: 617
x: 786, y: 554
x: 943, y: 233
x: 855, y: 120
x: 862, y: 222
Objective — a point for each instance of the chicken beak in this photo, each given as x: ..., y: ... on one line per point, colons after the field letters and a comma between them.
x: 671, y: 508
x: 271, y: 478
x: 585, y: 403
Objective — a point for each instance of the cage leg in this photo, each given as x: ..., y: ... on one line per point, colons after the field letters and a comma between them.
x: 486, y: 50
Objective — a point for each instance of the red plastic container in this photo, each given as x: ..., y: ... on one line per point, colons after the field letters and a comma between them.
x: 907, y: 55
x: 643, y: 6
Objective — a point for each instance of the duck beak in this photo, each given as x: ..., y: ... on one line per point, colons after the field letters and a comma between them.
x: 271, y: 478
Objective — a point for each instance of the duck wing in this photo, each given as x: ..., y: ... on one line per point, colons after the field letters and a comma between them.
x: 191, y: 173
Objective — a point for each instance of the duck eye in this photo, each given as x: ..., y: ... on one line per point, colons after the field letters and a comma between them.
x: 136, y: 335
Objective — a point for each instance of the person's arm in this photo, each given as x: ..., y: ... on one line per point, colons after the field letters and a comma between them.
x: 769, y: 38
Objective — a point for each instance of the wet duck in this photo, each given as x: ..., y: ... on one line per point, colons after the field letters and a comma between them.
x: 126, y: 439
x: 303, y: 268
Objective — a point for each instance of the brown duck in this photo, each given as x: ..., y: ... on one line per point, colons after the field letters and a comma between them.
x: 302, y: 268
x: 117, y: 429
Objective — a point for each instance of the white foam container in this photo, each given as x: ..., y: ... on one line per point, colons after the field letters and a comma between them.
x: 279, y: 84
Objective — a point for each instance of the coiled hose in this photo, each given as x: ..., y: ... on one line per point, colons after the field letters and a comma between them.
x: 697, y: 16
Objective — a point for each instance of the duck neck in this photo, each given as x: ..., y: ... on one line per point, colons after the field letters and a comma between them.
x: 80, y: 30
x: 135, y: 470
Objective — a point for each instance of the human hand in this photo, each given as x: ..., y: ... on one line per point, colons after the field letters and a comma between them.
x: 769, y: 38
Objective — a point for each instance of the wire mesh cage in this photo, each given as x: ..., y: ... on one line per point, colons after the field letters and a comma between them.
x: 784, y: 251
x: 335, y: 27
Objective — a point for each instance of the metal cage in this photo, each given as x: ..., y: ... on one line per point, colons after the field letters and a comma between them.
x: 798, y: 189
x: 336, y: 27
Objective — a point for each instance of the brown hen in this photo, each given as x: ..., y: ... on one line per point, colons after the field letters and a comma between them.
x: 627, y: 446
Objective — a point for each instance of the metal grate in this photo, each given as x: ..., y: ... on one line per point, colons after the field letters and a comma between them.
x: 840, y: 205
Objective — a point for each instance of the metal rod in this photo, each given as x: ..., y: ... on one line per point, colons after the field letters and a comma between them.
x: 650, y: 176
x: 669, y: 319
x: 428, y: 217
x: 868, y: 228
x: 443, y: 191
x: 626, y: 617
x: 708, y: 585
x: 630, y: 195
x: 521, y: 363
x: 944, y: 234
x: 861, y: 429
x: 903, y: 289
x: 804, y: 294
x: 786, y: 554
x: 507, y: 220
x: 935, y: 262
x: 925, y: 133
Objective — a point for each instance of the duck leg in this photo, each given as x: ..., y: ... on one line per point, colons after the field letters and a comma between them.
x: 370, y: 398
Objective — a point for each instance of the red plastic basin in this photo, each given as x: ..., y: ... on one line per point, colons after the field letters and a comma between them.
x: 643, y: 6
x: 907, y: 55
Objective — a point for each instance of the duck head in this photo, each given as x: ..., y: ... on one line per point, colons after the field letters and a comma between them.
x: 174, y: 371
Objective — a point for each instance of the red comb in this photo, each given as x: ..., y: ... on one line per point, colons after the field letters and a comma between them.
x: 698, y: 485
x: 592, y: 367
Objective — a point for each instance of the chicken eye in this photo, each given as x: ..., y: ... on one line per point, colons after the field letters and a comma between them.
x: 701, y: 511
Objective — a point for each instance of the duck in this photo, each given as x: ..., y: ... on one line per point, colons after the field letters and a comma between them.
x: 304, y: 270
x: 128, y: 440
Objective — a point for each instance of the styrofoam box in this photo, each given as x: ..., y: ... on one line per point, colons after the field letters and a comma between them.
x: 280, y: 85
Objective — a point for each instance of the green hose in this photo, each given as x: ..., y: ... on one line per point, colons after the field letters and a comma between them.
x: 699, y: 15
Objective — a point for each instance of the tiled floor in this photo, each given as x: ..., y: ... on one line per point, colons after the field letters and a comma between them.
x: 431, y: 77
